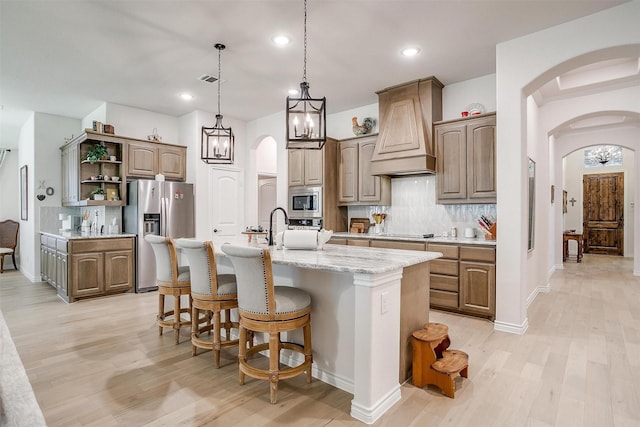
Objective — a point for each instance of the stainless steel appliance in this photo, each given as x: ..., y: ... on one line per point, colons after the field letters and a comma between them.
x: 161, y: 208
x: 305, y: 224
x: 305, y: 202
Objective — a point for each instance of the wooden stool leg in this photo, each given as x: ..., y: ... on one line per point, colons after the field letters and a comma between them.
x: 308, y: 353
x: 216, y: 338
x: 160, y: 311
x: 176, y: 317
x: 195, y: 328
x: 242, y: 352
x: 274, y: 364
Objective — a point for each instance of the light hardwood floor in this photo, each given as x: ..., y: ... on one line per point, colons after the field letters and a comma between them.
x: 101, y: 363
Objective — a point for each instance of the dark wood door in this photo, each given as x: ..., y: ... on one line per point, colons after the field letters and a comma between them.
x: 603, y: 220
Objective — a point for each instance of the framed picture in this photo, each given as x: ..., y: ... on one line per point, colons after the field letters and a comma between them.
x: 564, y: 201
x: 24, y: 187
x: 532, y: 203
x: 553, y: 193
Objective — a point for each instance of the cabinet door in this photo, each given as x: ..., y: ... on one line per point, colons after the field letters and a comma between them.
x: 87, y: 274
x: 296, y: 167
x: 118, y: 271
x: 43, y: 263
x: 368, y: 184
x: 348, y: 172
x: 451, y: 162
x: 481, y: 159
x: 70, y: 175
x: 172, y: 162
x: 313, y: 166
x: 478, y: 288
x: 142, y: 160
x: 51, y: 267
x: 62, y: 271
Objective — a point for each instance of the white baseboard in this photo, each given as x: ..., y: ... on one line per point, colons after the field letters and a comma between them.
x: 511, y: 327
x: 532, y: 296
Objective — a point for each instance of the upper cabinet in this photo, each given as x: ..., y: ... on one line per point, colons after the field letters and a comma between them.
x: 125, y: 158
x: 82, y: 177
x: 407, y: 112
x: 306, y: 167
x: 147, y: 159
x: 356, y: 183
x: 466, y: 160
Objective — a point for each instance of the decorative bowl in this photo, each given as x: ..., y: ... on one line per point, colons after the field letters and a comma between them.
x: 115, y: 178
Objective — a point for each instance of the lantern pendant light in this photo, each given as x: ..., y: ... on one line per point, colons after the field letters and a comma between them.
x: 306, y: 117
x: 217, y: 142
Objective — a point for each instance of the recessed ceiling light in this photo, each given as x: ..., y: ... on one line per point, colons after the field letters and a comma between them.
x: 281, y: 40
x: 410, y: 51
x: 186, y: 96
x: 293, y: 91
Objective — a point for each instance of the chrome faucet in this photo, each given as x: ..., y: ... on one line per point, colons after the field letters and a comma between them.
x: 286, y: 221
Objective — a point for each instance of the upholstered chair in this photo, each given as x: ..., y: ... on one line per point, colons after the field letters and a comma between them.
x: 210, y: 292
x: 271, y: 310
x: 172, y: 280
x: 8, y: 241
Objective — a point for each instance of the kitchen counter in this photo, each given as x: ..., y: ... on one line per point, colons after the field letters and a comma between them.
x: 365, y: 303
x: 416, y: 238
x: 73, y: 235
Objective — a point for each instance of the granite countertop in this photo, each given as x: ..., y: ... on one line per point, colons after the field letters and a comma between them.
x: 340, y: 258
x: 76, y: 235
x: 417, y: 238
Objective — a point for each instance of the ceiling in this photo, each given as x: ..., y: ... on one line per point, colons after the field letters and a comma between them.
x: 68, y: 57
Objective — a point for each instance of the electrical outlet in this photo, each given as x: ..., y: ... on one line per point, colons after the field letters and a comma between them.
x: 384, y: 302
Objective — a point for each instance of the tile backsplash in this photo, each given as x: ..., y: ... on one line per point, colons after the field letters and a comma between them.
x: 49, y: 216
x: 414, y: 210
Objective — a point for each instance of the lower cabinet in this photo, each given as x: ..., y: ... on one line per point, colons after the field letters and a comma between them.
x: 100, y: 267
x: 53, y: 263
x: 464, y: 279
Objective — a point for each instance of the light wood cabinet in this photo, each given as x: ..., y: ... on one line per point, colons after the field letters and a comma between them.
x: 356, y: 183
x: 53, y: 263
x: 466, y: 160
x: 463, y: 280
x: 306, y: 167
x: 100, y: 267
x: 146, y: 159
x: 81, y: 177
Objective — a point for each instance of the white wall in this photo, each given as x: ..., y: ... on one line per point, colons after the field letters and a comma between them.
x: 455, y: 97
x: 9, y: 186
x: 26, y: 153
x: 522, y: 65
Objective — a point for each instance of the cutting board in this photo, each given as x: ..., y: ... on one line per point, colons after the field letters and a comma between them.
x: 359, y: 225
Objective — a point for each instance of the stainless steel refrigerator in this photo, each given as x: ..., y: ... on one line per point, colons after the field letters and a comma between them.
x: 156, y: 207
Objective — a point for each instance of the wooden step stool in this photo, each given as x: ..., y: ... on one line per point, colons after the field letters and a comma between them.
x: 433, y: 363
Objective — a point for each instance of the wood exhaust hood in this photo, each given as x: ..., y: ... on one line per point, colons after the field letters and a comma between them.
x: 405, y: 143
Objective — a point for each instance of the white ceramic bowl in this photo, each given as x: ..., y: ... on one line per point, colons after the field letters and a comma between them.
x: 115, y: 178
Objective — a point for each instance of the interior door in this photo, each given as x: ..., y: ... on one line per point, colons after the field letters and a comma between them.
x: 603, y: 221
x: 266, y: 200
x: 225, y: 202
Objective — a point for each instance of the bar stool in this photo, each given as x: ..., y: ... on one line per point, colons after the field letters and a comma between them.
x: 270, y: 309
x: 172, y: 280
x: 210, y: 292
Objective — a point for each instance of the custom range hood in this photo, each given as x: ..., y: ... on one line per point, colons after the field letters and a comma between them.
x: 405, y: 143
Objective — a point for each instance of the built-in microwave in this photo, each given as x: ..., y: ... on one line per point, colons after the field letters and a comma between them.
x: 305, y: 202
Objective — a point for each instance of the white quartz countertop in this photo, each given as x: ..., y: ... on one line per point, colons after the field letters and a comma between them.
x: 417, y: 238
x: 74, y: 235
x: 341, y: 258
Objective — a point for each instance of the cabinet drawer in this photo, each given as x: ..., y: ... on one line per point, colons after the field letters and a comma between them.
x: 61, y: 245
x: 100, y: 245
x: 443, y: 299
x: 51, y: 242
x: 443, y: 283
x: 448, y: 251
x: 444, y: 266
x: 396, y: 244
x: 475, y: 253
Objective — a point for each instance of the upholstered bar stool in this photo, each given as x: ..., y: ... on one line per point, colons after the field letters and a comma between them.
x: 210, y: 292
x: 270, y: 309
x: 172, y: 280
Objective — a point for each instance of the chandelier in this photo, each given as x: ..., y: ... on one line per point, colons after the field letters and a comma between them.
x: 217, y: 142
x: 306, y: 117
x: 603, y: 154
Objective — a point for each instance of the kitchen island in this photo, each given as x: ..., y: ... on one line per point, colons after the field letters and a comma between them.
x: 365, y: 304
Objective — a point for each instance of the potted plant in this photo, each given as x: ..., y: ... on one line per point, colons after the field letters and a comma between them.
x: 98, y: 194
x: 99, y: 151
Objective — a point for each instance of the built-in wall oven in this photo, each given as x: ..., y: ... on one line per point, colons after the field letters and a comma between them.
x: 305, y: 202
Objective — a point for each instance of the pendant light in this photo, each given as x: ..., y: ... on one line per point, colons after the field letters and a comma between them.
x: 306, y: 117
x: 217, y: 142
x: 602, y: 154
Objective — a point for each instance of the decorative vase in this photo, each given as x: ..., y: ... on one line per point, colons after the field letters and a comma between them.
x: 98, y: 197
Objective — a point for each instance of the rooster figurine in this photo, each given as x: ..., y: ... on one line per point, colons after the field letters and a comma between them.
x: 366, y: 127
